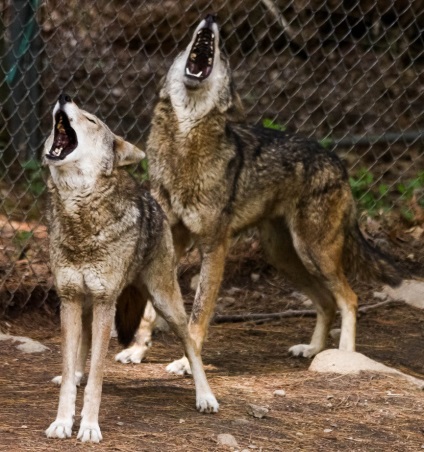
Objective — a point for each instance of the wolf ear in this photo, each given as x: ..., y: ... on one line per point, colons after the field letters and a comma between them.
x: 126, y: 153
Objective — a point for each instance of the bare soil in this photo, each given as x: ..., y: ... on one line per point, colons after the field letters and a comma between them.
x: 144, y: 408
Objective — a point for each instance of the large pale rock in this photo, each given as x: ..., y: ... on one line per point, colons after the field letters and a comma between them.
x: 410, y: 291
x: 26, y: 344
x: 342, y: 362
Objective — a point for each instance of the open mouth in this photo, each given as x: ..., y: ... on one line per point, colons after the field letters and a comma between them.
x: 200, y: 60
x: 65, y: 137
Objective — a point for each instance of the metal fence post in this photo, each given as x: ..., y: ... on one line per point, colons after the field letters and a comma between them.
x: 23, y: 81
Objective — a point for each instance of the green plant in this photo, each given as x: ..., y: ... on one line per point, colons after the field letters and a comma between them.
x: 375, y: 198
x: 271, y: 124
x: 326, y: 143
x: 408, y: 188
x: 141, y: 171
x: 34, y: 176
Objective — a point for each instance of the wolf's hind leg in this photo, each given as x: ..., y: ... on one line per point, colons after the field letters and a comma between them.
x: 170, y: 306
x: 278, y: 246
x: 143, y: 338
x: 167, y: 300
x: 323, y: 260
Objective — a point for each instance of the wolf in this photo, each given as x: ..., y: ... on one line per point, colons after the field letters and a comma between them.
x: 215, y: 177
x: 111, y: 249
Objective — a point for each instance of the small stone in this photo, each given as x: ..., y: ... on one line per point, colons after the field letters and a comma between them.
x: 119, y: 423
x: 328, y: 430
x: 255, y: 277
x: 380, y: 296
x: 330, y: 396
x: 335, y: 333
x: 240, y: 421
x: 233, y: 290
x: 257, y: 410
x: 228, y: 300
x: 299, y: 434
x: 225, y: 439
x: 279, y: 392
x: 194, y: 282
x: 181, y: 421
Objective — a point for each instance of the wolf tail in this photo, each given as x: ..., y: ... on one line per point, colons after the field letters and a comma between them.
x: 129, y: 311
x: 361, y: 259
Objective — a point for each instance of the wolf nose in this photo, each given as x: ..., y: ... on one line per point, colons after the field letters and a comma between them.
x: 210, y: 19
x: 64, y: 98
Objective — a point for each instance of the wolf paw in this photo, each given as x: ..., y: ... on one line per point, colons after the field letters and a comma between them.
x: 90, y: 431
x: 305, y: 350
x: 134, y: 354
x: 58, y: 380
x: 60, y: 429
x: 179, y: 367
x: 207, y: 403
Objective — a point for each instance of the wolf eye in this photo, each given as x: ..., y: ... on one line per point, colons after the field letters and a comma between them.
x: 91, y: 120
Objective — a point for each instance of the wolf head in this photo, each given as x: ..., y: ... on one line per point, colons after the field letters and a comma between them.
x: 79, y: 140
x: 199, y: 79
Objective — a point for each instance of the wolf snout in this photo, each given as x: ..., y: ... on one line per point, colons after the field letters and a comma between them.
x: 64, y: 98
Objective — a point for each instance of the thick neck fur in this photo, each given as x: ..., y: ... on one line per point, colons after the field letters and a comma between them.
x: 191, y: 106
x: 81, y: 176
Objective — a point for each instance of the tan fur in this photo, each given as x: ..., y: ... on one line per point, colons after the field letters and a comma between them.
x: 110, y: 245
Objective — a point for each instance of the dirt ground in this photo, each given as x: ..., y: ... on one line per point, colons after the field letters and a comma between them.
x: 144, y: 408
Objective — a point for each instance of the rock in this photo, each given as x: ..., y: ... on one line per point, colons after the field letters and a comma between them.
x: 194, y: 282
x: 410, y: 291
x: 257, y: 410
x: 225, y: 439
x: 279, y: 392
x: 302, y: 298
x: 335, y: 333
x: 328, y: 430
x: 233, y: 290
x: 342, y: 362
x: 26, y: 345
x: 240, y: 421
x: 380, y: 296
x: 255, y: 277
x: 228, y: 300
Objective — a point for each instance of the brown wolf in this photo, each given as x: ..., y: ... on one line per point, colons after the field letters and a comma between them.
x: 214, y: 178
x: 111, y: 248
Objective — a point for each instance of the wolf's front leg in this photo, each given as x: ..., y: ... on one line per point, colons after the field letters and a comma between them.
x: 211, y: 272
x: 83, y: 348
x: 103, y: 315
x: 70, y: 315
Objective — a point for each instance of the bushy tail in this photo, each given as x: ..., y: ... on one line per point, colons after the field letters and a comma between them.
x: 363, y: 260
x: 129, y: 311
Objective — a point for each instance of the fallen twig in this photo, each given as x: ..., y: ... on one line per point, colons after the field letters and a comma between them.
x: 234, y: 318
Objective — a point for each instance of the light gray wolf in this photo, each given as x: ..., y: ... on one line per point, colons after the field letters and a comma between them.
x: 110, y: 248
x: 215, y: 177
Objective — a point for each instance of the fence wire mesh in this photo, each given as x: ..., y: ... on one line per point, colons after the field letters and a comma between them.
x: 350, y: 73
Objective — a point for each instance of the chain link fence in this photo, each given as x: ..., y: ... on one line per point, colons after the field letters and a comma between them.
x: 350, y: 73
